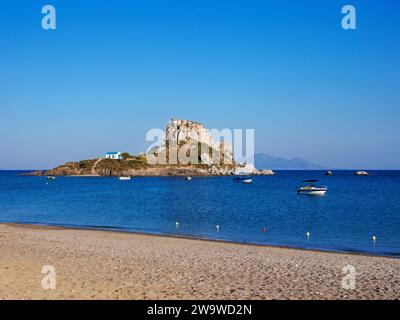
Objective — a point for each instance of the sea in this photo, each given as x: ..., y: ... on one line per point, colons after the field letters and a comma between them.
x: 358, y: 213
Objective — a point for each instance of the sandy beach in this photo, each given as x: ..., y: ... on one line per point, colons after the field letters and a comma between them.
x: 111, y: 265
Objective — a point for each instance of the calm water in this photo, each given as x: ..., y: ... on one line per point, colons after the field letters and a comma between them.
x: 354, y: 209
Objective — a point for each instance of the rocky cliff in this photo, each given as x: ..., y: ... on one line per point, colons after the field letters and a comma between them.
x: 190, y: 142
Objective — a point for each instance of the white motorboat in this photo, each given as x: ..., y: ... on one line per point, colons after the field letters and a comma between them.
x: 189, y: 178
x: 124, y: 178
x: 361, y: 173
x: 312, y: 189
x: 51, y: 178
x: 243, y: 179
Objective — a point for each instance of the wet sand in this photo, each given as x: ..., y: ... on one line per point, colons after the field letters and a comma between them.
x: 113, y: 265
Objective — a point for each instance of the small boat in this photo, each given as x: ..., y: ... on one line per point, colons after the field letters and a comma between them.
x: 243, y: 180
x: 51, y: 178
x: 312, y: 189
x: 361, y: 173
x: 189, y: 178
x: 124, y: 178
x: 329, y: 173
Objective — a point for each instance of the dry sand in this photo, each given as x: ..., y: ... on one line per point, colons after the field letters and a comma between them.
x: 111, y: 265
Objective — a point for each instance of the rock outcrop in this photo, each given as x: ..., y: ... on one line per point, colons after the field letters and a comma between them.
x: 188, y: 141
x: 249, y: 169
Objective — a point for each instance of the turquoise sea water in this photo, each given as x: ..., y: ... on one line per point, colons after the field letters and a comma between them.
x: 345, y: 219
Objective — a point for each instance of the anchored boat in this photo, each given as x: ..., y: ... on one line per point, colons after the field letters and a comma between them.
x: 312, y: 189
x: 243, y: 180
x: 124, y: 178
x: 361, y: 173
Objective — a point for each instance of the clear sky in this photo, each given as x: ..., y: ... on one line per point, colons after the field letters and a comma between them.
x: 114, y: 69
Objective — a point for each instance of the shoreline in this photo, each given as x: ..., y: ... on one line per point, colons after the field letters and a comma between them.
x: 97, y: 264
x: 195, y: 238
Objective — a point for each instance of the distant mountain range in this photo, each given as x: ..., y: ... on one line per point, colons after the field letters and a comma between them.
x: 265, y: 161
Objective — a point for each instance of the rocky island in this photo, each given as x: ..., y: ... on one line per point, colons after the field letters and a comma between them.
x: 184, y: 138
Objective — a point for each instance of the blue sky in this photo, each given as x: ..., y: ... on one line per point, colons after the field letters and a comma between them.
x: 114, y: 69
